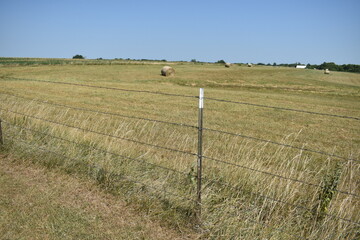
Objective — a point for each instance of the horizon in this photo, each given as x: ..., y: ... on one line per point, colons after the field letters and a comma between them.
x: 236, y: 31
x: 189, y: 61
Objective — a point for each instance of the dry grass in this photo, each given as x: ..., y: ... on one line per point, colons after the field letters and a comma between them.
x: 238, y: 211
x: 38, y: 203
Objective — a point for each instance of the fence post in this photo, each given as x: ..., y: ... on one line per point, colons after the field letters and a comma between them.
x: 1, y: 136
x: 199, y: 160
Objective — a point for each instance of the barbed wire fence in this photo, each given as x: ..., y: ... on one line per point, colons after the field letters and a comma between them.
x: 199, y: 154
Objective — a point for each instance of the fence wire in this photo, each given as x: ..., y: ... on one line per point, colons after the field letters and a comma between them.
x: 277, y: 175
x: 97, y: 167
x: 121, y: 177
x: 99, y: 133
x: 95, y: 148
x: 189, y: 126
x: 283, y: 145
x: 177, y: 171
x: 184, y: 152
x: 189, y: 96
x: 262, y: 196
x: 284, y: 109
x: 100, y: 112
x: 107, y: 88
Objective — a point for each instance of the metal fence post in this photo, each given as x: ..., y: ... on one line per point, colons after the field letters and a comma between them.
x: 1, y: 136
x: 199, y: 160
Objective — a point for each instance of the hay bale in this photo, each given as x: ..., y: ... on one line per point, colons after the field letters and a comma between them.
x: 167, y: 71
x: 227, y: 65
x: 249, y: 65
x: 326, y: 71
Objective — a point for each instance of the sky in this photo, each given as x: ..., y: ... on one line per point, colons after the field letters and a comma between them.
x: 254, y: 31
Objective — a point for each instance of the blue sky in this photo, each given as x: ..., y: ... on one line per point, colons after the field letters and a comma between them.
x: 267, y: 31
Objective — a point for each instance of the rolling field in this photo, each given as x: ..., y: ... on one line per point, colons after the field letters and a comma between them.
x: 270, y: 171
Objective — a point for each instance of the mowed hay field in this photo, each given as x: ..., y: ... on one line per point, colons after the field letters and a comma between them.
x: 269, y: 173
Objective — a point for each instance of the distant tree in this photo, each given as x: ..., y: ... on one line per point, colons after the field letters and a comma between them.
x: 274, y: 64
x: 329, y: 65
x: 77, y: 56
x: 351, y: 68
x: 221, y: 61
x: 193, y: 60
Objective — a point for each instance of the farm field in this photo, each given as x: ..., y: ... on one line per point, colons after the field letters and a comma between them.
x: 281, y: 146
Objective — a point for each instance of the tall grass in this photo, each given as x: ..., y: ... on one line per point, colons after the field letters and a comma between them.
x: 240, y: 201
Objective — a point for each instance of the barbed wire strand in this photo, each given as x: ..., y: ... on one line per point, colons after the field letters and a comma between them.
x: 97, y: 167
x: 141, y: 183
x: 95, y: 148
x: 190, y: 126
x: 99, y: 133
x: 276, y: 175
x: 189, y: 96
x: 107, y: 88
x: 170, y: 193
x: 221, y: 100
x: 100, y: 112
x: 257, y: 194
x: 122, y: 177
x: 173, y: 170
x: 285, y: 109
x: 282, y: 144
x: 193, y: 154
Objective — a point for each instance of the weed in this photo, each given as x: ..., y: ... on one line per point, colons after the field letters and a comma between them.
x: 327, y: 191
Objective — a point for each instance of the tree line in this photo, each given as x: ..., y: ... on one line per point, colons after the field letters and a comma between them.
x: 326, y: 65
x: 334, y: 67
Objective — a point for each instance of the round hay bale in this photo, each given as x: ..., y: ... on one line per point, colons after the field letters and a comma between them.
x: 326, y: 71
x: 167, y: 71
x: 227, y: 65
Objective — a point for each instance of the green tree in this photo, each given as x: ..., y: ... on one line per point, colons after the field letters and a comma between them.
x: 77, y: 56
x: 329, y: 65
